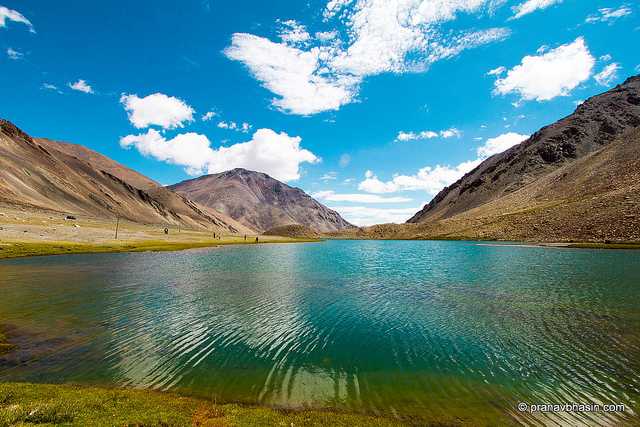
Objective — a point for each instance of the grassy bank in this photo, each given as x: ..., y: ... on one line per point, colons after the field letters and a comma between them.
x: 31, y: 404
x: 5, y: 347
x: 17, y: 249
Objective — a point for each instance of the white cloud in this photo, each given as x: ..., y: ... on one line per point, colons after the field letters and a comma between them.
x: 276, y: 154
x: 15, y: 16
x: 51, y: 87
x: 531, y: 6
x: 331, y: 196
x: 552, y: 74
x: 309, y: 76
x: 335, y: 6
x: 608, y: 74
x: 208, y: 116
x: 433, y: 179
x: 428, y: 179
x: 364, y: 215
x: 292, y: 74
x: 427, y: 134
x: 499, y: 144
x: 450, y: 133
x: 158, y: 109
x: 329, y: 176
x: 497, y: 71
x: 344, y: 161
x: 637, y: 68
x: 81, y: 86
x: 294, y: 33
x: 14, y: 54
x: 606, y: 58
x: 608, y: 15
x: 243, y: 127
x: 413, y: 136
x: 326, y: 36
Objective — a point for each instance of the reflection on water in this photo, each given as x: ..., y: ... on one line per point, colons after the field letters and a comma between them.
x: 439, y: 330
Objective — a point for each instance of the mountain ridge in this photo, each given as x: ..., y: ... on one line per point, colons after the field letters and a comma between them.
x: 259, y: 201
x: 35, y: 173
x: 595, y: 123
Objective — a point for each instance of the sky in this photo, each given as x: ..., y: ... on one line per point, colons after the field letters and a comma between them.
x: 370, y: 106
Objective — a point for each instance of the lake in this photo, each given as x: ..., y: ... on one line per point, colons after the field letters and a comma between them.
x: 438, y: 331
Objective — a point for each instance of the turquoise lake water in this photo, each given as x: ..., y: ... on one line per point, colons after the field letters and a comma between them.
x: 435, y: 330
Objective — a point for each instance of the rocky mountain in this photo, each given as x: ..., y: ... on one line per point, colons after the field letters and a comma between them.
x: 595, y: 124
x: 259, y: 201
x: 577, y: 180
x: 71, y: 179
x: 100, y: 162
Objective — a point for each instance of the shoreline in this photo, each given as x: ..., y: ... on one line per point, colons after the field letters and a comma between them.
x: 565, y: 245
x: 88, y: 405
x: 12, y: 249
x: 26, y: 249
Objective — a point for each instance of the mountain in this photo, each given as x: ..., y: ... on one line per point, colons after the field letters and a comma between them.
x: 594, y: 125
x: 577, y: 180
x: 259, y: 201
x: 100, y: 162
x: 67, y: 178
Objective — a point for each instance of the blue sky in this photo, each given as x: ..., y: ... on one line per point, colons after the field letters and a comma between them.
x: 372, y: 106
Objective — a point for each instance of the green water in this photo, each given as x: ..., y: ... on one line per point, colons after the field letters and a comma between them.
x: 444, y: 331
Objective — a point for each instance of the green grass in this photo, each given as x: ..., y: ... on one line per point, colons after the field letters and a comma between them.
x: 5, y: 347
x: 25, y: 249
x: 35, y: 404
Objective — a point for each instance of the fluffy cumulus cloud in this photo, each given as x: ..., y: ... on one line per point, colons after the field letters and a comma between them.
x: 276, y: 154
x: 294, y: 33
x: 608, y: 15
x: 551, y: 74
x: 428, y: 179
x: 81, y: 86
x: 608, y: 74
x: 7, y: 14
x: 531, y: 6
x: 331, y: 196
x: 427, y: 134
x: 499, y: 144
x: 157, y: 109
x: 433, y: 179
x: 310, y: 74
x: 292, y: 74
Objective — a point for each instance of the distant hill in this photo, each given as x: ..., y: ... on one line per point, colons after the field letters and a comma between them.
x: 575, y: 180
x: 294, y: 230
x: 260, y: 202
x: 72, y: 179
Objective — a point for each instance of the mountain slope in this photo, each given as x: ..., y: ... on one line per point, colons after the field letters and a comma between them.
x: 596, y: 123
x: 259, y: 201
x: 593, y: 199
x: 39, y: 175
x: 100, y: 162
